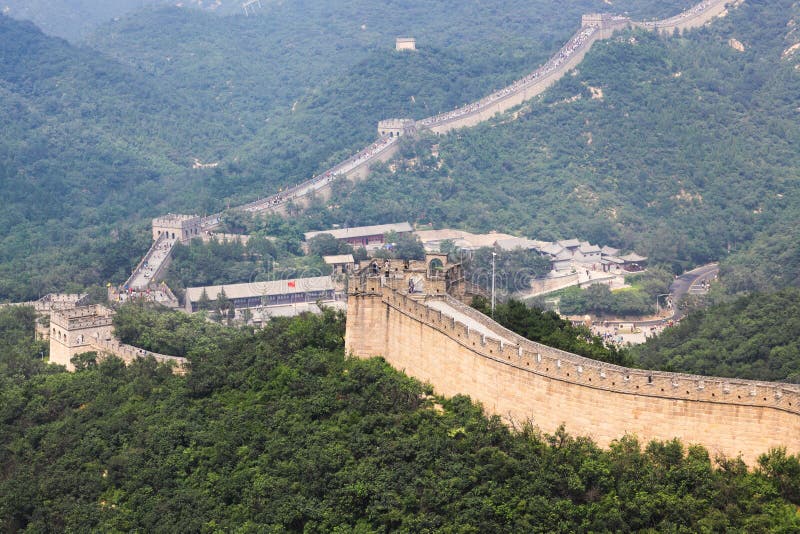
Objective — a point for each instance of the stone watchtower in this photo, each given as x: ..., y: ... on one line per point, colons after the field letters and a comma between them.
x: 405, y: 43
x: 606, y: 23
x: 73, y: 332
x: 396, y: 127
x: 176, y: 226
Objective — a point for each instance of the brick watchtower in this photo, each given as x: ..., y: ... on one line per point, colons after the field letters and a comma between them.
x: 73, y: 332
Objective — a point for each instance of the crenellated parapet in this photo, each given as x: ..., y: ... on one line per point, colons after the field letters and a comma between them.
x: 511, y: 349
x: 91, y: 329
x: 435, y: 338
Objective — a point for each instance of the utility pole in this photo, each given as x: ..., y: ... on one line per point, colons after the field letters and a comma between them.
x: 658, y: 306
x: 494, y: 254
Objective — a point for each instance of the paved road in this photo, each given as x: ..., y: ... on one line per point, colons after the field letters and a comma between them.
x: 677, y: 290
x: 683, y: 284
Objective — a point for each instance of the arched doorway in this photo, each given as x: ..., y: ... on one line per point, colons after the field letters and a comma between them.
x: 435, y: 268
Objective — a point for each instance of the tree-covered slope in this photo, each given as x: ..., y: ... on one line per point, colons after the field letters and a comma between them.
x: 86, y: 143
x: 76, y: 19
x: 682, y: 148
x: 276, y: 431
x: 755, y: 337
x: 92, y: 145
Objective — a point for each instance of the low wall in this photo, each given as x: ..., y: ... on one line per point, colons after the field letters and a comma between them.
x: 540, y: 286
x: 128, y: 353
x: 526, y: 381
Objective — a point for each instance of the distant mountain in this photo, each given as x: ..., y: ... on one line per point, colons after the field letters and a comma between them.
x: 182, y: 110
x: 71, y: 19
x: 74, y: 19
x: 683, y: 148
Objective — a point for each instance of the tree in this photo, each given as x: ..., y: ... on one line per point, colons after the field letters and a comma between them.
x: 204, y: 303
x: 327, y: 245
x: 84, y: 360
x: 405, y: 246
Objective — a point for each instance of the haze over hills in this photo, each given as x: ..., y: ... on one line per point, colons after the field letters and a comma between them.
x: 76, y: 118
x: 74, y: 19
x: 682, y: 147
x: 264, y: 102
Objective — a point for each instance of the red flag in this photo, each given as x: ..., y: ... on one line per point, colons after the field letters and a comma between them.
x: 292, y: 284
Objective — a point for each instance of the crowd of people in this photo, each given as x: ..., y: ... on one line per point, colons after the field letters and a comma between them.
x: 689, y: 13
x: 573, y: 45
x: 150, y: 264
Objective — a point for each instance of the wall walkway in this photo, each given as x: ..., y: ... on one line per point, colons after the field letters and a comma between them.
x: 525, y: 381
x: 594, y: 28
x: 129, y: 353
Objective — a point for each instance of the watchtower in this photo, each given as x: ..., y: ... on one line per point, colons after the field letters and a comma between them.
x: 73, y: 331
x: 606, y: 23
x: 396, y: 127
x: 433, y: 276
x: 405, y: 43
x: 177, y: 226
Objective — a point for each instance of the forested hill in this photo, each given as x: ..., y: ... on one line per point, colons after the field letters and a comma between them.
x: 756, y: 337
x: 74, y: 19
x: 92, y: 145
x: 274, y: 430
x: 86, y: 143
x: 687, y: 152
x: 683, y: 148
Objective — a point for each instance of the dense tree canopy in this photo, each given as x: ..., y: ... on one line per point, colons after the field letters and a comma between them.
x: 276, y: 430
x: 755, y: 337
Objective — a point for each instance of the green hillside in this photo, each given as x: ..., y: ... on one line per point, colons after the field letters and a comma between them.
x: 688, y: 154
x: 86, y: 145
x: 92, y: 147
x: 70, y: 19
x: 276, y: 431
x: 691, y: 151
x: 756, y: 337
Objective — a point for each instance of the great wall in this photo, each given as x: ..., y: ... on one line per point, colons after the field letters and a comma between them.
x: 430, y: 334
x: 594, y: 27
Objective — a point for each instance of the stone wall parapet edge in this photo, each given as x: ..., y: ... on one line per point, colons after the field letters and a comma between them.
x: 564, y: 366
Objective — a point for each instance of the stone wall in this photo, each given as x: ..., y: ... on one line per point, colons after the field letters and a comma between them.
x: 527, y: 381
x: 606, y: 25
x: 553, y: 283
x: 129, y: 354
x: 356, y: 174
x: 688, y: 20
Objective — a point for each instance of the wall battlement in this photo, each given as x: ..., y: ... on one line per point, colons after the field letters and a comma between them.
x: 522, y: 380
x: 90, y: 328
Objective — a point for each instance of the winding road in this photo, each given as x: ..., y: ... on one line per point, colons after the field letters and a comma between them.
x: 684, y: 283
